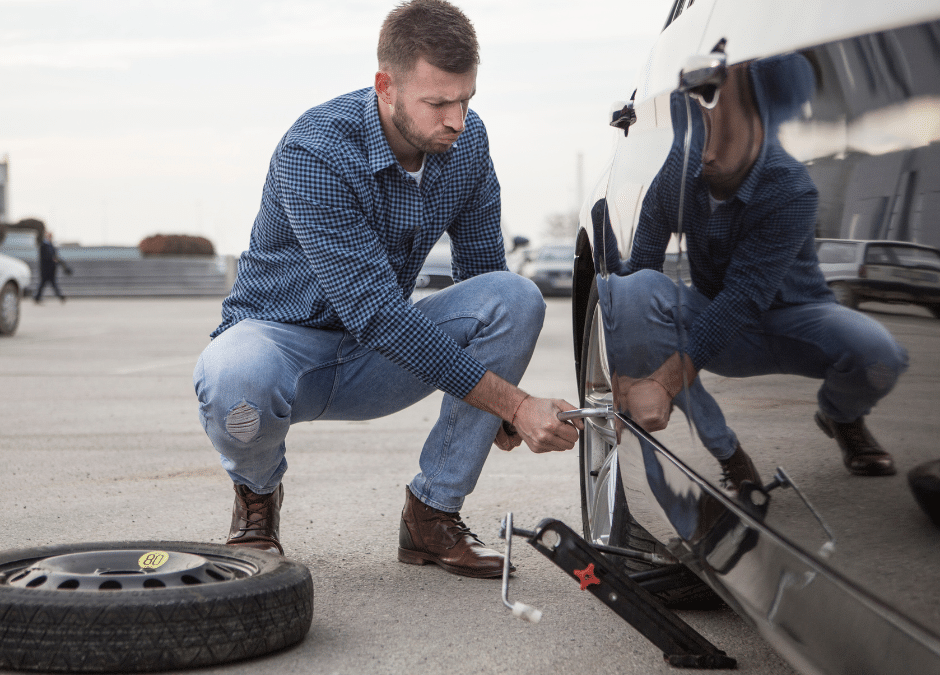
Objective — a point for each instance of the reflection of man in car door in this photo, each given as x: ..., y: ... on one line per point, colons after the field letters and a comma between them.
x: 319, y: 325
x: 759, y: 303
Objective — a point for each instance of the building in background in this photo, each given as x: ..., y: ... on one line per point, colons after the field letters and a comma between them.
x: 4, y: 172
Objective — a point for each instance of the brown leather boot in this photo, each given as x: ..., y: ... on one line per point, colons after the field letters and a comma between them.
x: 861, y: 453
x: 737, y: 469
x: 256, y: 519
x: 427, y: 535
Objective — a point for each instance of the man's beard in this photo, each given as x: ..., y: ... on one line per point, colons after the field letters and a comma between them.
x: 406, y: 127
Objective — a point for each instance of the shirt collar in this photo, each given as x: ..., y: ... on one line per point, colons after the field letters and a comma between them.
x: 380, y: 152
x: 747, y: 187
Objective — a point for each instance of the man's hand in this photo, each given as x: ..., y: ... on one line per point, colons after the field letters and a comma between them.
x: 649, y: 400
x: 538, y: 424
x: 507, y: 437
x: 649, y: 404
x: 536, y: 419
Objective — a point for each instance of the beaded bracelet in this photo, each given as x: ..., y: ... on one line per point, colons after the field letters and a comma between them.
x: 513, y: 419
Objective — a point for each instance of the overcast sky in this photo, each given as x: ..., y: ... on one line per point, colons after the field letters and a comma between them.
x: 125, y: 118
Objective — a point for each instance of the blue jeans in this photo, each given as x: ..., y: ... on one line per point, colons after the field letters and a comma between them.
x: 857, y: 359
x: 259, y: 377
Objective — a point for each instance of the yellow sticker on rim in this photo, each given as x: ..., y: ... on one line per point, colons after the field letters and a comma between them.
x: 153, y: 559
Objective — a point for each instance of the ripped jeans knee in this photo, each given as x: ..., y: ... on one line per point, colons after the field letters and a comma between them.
x: 243, y: 421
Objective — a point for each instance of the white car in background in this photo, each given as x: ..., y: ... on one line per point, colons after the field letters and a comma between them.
x: 14, y: 277
x: 885, y: 271
x: 550, y: 268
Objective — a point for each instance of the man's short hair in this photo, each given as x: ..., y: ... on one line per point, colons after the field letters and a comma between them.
x: 431, y: 29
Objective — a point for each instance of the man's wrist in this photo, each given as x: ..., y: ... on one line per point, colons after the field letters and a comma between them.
x: 675, y: 374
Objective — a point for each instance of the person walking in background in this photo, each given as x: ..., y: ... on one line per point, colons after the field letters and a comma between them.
x: 49, y: 262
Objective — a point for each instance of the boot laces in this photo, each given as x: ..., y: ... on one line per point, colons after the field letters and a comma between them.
x: 254, y: 505
x: 456, y: 526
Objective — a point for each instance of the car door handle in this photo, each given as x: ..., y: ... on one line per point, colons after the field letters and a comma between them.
x: 581, y: 413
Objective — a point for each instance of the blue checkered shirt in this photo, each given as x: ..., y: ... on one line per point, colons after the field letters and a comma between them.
x: 343, y: 232
x: 756, y: 251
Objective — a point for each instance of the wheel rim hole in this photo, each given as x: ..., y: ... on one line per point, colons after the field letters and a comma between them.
x: 69, y: 585
x: 154, y: 583
x: 110, y: 585
x: 190, y: 580
x: 215, y: 575
x: 38, y: 581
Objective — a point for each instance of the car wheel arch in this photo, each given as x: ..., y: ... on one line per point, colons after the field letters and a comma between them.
x: 582, y: 280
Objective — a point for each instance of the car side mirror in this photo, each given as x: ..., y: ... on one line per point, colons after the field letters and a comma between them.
x: 518, y: 242
x: 625, y: 117
x: 703, y: 75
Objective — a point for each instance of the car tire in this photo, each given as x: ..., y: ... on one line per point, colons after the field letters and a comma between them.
x: 605, y: 514
x: 9, y: 308
x: 844, y: 294
x: 924, y: 482
x: 935, y: 310
x: 67, y: 609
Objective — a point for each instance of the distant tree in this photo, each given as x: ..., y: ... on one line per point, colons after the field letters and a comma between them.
x: 561, y: 225
x: 175, y: 244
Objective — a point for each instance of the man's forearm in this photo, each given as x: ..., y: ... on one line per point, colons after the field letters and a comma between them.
x: 496, y: 396
x: 676, y: 373
x: 535, y: 419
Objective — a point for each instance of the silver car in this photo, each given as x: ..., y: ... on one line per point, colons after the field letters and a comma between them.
x: 14, y: 278
x: 550, y: 268
x: 886, y: 271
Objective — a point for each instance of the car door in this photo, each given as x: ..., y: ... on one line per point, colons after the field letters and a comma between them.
x: 850, y: 102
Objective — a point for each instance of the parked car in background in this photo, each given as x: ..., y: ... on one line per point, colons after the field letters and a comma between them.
x: 436, y: 273
x: 886, y: 271
x: 14, y: 278
x: 550, y: 267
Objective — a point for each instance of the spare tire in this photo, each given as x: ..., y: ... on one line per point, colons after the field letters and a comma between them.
x: 135, y: 606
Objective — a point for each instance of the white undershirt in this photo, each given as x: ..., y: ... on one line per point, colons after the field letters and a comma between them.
x: 420, y: 172
x: 712, y: 202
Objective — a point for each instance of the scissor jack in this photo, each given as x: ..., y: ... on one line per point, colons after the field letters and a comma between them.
x: 626, y: 594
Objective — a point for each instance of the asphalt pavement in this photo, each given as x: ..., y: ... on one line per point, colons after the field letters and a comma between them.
x: 100, y: 440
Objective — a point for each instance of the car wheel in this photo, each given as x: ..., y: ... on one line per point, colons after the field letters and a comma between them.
x: 9, y: 308
x: 605, y: 514
x: 844, y: 294
x: 142, y: 606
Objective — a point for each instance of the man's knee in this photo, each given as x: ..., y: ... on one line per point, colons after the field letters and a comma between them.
x: 236, y: 393
x: 243, y: 421
x: 874, y: 351
x: 639, y: 296
x: 889, y: 363
x: 527, y: 298
x: 519, y: 297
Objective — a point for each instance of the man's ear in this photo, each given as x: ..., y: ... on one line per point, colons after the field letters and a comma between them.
x: 383, y: 86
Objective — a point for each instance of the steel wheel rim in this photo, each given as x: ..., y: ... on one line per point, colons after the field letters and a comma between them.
x: 123, y: 570
x: 600, y: 458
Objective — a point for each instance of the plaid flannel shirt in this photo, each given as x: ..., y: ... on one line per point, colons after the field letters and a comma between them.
x: 343, y: 232
x: 757, y: 251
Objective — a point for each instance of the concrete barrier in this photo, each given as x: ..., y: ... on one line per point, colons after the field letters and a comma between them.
x: 153, y: 277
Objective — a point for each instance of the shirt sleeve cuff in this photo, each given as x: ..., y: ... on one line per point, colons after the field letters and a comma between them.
x: 462, y: 376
